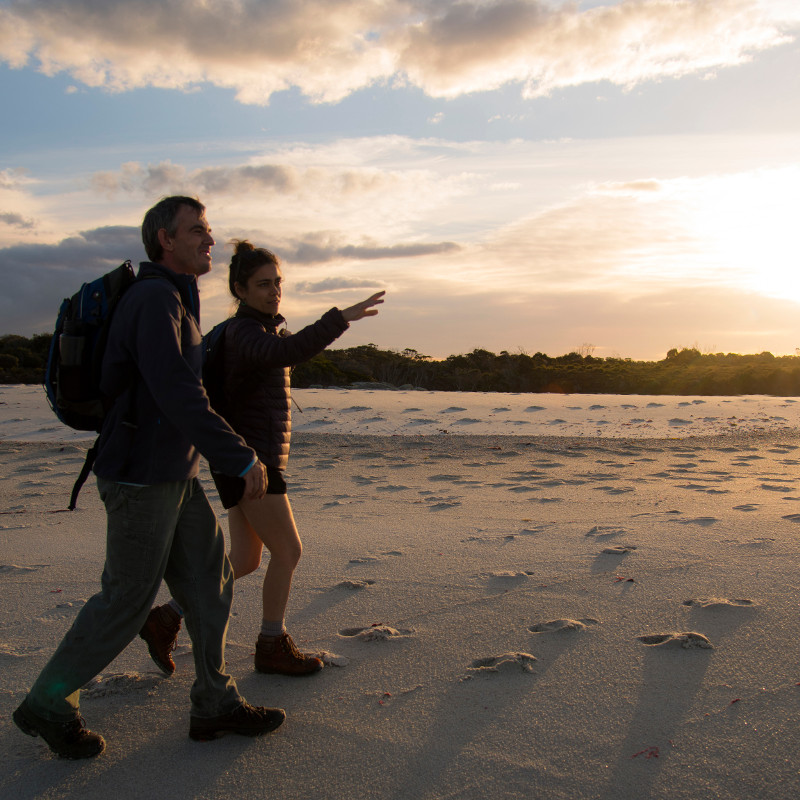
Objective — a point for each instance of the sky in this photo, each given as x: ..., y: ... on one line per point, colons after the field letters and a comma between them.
x: 614, y: 178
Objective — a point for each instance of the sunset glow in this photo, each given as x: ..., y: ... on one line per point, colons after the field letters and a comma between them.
x: 533, y: 174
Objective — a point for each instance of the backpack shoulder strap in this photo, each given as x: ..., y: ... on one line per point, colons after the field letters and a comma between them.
x: 83, y: 475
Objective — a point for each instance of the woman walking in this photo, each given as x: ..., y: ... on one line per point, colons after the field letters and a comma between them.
x: 255, y: 400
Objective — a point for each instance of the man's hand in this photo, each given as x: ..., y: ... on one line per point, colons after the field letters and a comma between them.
x: 255, y: 482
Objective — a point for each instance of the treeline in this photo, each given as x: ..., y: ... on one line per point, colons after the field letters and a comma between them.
x: 23, y: 360
x: 684, y: 371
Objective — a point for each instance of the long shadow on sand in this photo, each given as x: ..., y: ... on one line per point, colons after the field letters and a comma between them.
x: 671, y: 679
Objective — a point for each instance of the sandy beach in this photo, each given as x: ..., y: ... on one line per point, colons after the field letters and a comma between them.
x: 518, y: 596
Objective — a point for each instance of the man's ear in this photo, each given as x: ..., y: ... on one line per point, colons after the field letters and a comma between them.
x: 164, y: 239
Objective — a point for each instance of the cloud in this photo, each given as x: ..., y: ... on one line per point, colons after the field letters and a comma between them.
x: 168, y: 178
x: 642, y: 185
x: 336, y: 285
x: 382, y: 186
x: 16, y: 220
x: 38, y: 277
x: 281, y: 179
x: 320, y: 248
x: 481, y: 46
x: 329, y: 49
x: 13, y: 178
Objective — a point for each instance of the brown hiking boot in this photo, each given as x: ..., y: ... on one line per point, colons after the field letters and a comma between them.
x: 70, y: 739
x: 246, y: 720
x: 279, y: 655
x: 160, y: 631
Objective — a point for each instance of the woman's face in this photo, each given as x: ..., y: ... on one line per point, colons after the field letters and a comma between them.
x: 263, y: 290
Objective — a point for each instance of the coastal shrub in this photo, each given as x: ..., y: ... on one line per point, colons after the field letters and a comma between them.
x: 684, y: 371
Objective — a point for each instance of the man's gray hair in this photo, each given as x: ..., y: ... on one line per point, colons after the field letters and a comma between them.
x: 162, y: 215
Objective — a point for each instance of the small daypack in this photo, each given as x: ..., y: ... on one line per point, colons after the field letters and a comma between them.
x: 72, y: 375
x: 214, y: 366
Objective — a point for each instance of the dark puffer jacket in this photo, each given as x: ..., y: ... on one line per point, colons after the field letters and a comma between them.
x: 257, y: 389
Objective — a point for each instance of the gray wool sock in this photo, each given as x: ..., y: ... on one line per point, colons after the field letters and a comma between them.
x: 272, y: 628
x: 176, y: 608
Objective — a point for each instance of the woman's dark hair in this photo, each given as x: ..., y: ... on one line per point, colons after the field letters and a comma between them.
x: 246, y: 260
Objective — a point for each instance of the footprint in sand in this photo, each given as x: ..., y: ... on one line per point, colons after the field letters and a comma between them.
x: 342, y: 502
x: 606, y: 531
x: 747, y: 507
x: 62, y: 610
x: 534, y: 531
x: 332, y: 659
x: 10, y: 652
x: 366, y: 480
x: 792, y: 517
x: 442, y: 505
x: 32, y: 470
x: 506, y: 577
x: 688, y: 641
x: 703, y: 521
x: 618, y: 550
x: 759, y: 543
x: 14, y: 569
x: 452, y: 410
x: 563, y: 625
x: 354, y: 585
x: 375, y: 633
x: 508, y: 662
x: 548, y: 484
x: 720, y: 603
x: 120, y: 683
x: 364, y: 560
x: 699, y: 487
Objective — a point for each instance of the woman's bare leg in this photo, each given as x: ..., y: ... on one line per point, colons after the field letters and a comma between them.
x: 246, y: 547
x: 269, y: 521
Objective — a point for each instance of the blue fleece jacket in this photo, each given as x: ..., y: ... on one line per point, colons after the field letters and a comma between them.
x: 161, y: 421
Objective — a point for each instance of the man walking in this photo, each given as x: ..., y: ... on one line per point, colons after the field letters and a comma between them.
x: 160, y: 524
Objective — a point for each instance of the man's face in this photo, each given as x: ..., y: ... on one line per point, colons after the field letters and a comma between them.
x: 188, y: 251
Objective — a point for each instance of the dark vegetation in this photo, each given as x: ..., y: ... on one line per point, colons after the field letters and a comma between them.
x: 23, y: 360
x: 684, y: 371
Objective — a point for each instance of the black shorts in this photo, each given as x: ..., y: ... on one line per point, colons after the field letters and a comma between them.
x: 231, y: 490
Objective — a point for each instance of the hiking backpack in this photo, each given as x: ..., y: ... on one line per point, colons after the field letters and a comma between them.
x: 72, y: 375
